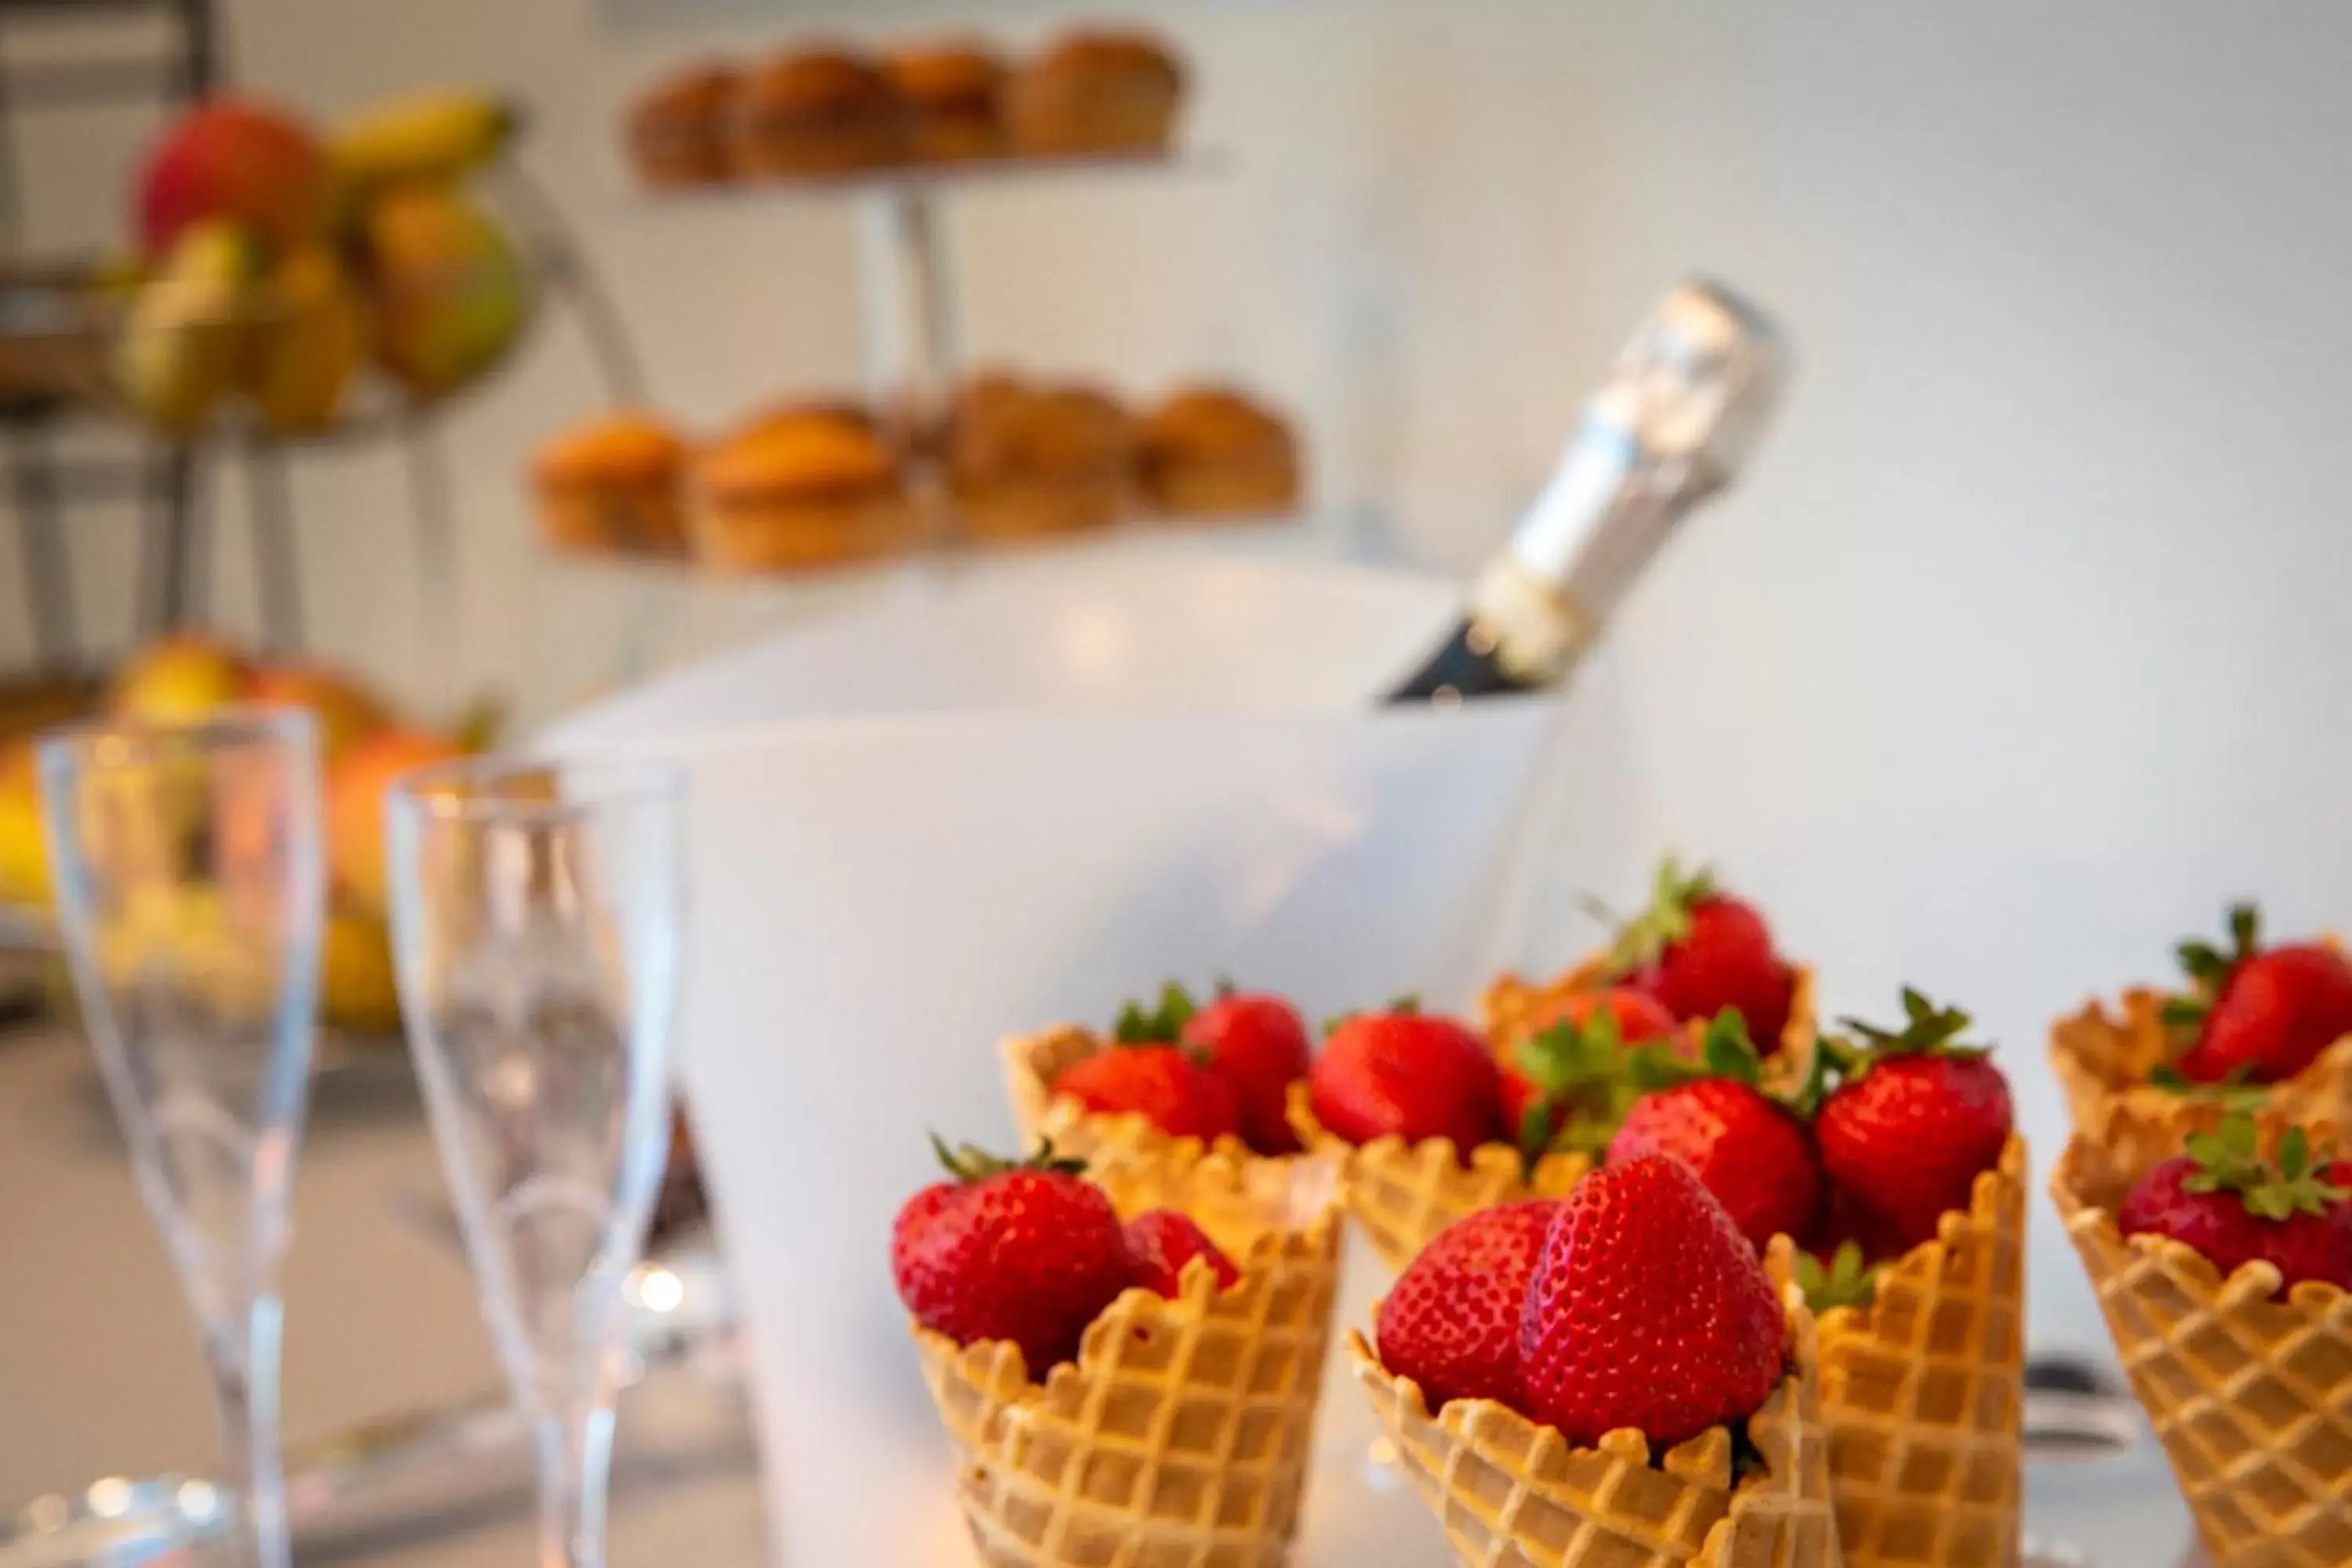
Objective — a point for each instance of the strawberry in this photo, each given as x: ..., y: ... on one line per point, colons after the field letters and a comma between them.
x: 1160, y: 1242
x: 1698, y: 950
x: 2260, y: 1015
x: 1409, y: 1074
x: 1451, y: 1321
x: 1915, y: 1119
x: 1747, y: 1148
x: 2225, y: 1200
x: 1258, y: 1044
x: 1026, y: 1252
x: 1565, y: 1071
x: 1167, y: 1083
x: 1648, y: 1309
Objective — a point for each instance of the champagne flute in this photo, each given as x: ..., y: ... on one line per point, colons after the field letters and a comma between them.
x: 189, y: 890
x: 536, y: 915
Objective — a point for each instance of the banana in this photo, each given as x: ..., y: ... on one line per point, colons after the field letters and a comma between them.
x: 432, y: 135
x: 184, y: 335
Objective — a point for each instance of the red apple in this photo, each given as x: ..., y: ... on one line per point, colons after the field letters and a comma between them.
x: 238, y: 161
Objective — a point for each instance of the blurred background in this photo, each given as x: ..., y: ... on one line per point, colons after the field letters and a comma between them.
x: 2017, y: 653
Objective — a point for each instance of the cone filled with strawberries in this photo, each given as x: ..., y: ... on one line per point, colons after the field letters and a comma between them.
x: 1888, y: 1184
x: 1169, y: 1081
x: 2255, y: 1025
x: 2220, y: 1239
x: 1608, y: 1380
x: 1129, y: 1371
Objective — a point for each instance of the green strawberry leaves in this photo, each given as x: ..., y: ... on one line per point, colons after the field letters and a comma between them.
x: 1928, y: 1031
x: 1405, y: 1006
x: 1845, y: 1281
x: 1581, y: 1072
x: 968, y: 1162
x: 1666, y: 921
x: 2229, y: 1160
x: 2209, y: 967
x: 1162, y: 1025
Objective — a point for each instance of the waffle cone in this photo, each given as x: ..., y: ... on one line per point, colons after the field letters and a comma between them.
x: 2104, y: 1054
x: 1183, y: 1433
x: 1923, y: 1390
x: 1513, y: 1494
x: 2250, y: 1395
x: 1403, y: 1193
x: 1512, y: 1009
x: 1032, y: 1063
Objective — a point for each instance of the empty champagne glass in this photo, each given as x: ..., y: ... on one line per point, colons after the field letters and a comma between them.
x: 190, y: 887
x: 536, y: 913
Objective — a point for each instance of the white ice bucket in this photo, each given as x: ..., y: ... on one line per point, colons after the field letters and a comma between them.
x: 1006, y: 801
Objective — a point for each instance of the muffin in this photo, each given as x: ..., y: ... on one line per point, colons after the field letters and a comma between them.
x: 819, y: 111
x: 1095, y: 92
x: 613, y: 483
x: 678, y: 133
x: 954, y: 101
x: 1209, y: 452
x: 800, y: 489
x: 1025, y: 461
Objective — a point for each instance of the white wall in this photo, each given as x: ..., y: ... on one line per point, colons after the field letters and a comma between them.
x: 2022, y: 649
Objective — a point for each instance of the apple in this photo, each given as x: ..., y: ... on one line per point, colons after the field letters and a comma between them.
x: 355, y: 809
x: 345, y: 710
x: 178, y: 679
x: 236, y: 159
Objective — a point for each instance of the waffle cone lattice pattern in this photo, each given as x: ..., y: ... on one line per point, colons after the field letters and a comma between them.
x: 1513, y: 1494
x: 1923, y: 1391
x: 2249, y: 1389
x: 1182, y: 1434
x: 2102, y: 1055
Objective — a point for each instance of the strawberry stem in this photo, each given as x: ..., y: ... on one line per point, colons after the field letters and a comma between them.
x: 1666, y: 921
x: 1847, y: 1281
x: 968, y: 1162
x: 1928, y: 1031
x: 2229, y: 1160
x: 1160, y: 1025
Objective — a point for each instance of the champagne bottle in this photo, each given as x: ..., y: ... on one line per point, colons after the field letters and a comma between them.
x: 1671, y: 426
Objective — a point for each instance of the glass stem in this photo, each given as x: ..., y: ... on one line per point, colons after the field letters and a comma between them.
x: 245, y: 1387
x: 576, y: 1472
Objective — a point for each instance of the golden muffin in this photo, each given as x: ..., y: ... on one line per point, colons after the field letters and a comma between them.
x: 1025, y: 461
x: 678, y: 134
x: 800, y: 489
x: 819, y: 111
x: 954, y: 99
x: 614, y: 483
x: 1096, y: 92
x: 1212, y: 452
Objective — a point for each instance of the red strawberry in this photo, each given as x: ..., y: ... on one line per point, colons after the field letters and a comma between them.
x: 2262, y: 1016
x: 1166, y: 1083
x: 2230, y: 1203
x: 1698, y: 951
x: 1747, y: 1148
x: 1649, y: 1310
x: 1409, y: 1074
x: 1258, y: 1044
x: 1160, y: 1242
x: 1916, y: 1118
x: 1573, y: 1053
x: 1027, y: 1252
x: 1451, y: 1321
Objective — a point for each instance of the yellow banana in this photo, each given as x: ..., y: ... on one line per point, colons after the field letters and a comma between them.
x: 431, y: 135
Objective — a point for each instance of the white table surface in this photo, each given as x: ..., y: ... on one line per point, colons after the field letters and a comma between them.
x: 99, y: 1369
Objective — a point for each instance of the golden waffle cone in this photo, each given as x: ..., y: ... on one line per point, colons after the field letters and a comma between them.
x: 1513, y: 1494
x: 2252, y: 1397
x: 1032, y: 1063
x: 1923, y: 1390
x: 2102, y: 1056
x: 1182, y: 1434
x: 1404, y: 1193
x: 1511, y: 1005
